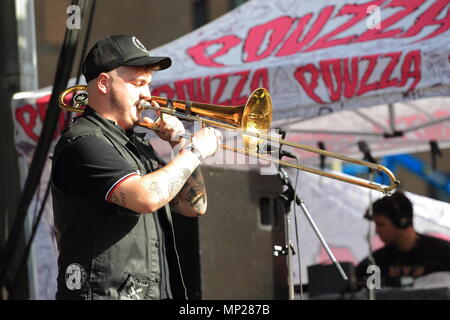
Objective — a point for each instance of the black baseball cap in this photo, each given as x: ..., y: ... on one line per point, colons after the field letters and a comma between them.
x: 119, y: 50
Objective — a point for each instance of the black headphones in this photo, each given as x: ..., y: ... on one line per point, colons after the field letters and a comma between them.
x: 401, y: 219
x: 397, y: 208
x: 402, y: 213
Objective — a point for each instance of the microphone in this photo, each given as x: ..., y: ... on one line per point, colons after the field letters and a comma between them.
x: 321, y: 156
x: 435, y: 151
x: 279, y: 154
x: 364, y: 148
x: 287, y: 154
x: 282, y: 132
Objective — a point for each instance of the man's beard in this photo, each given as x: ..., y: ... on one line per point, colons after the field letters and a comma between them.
x: 116, y: 104
x: 114, y: 100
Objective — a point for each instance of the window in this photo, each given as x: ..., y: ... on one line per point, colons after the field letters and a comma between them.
x: 236, y: 3
x: 200, y: 13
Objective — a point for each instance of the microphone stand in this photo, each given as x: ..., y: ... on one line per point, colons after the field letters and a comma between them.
x: 364, y: 148
x: 287, y: 197
x: 371, y: 293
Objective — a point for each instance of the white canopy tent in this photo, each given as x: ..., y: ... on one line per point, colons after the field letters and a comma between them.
x: 321, y: 57
x: 402, y: 127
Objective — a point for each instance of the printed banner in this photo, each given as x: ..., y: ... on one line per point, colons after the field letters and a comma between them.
x: 314, y: 57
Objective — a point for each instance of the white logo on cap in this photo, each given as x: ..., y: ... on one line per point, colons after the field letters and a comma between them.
x: 139, y: 45
x: 75, y: 276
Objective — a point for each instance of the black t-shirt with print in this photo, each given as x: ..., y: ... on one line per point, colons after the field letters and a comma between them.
x: 429, y: 255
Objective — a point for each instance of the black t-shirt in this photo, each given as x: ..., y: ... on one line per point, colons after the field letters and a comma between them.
x: 429, y: 255
x: 91, y: 166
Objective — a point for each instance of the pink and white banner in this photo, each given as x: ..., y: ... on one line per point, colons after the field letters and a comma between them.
x: 314, y: 57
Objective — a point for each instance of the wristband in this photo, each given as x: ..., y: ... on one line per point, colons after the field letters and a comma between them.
x: 194, y: 150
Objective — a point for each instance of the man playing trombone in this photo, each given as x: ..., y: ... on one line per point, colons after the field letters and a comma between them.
x: 112, y: 194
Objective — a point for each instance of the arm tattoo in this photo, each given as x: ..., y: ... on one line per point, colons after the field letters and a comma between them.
x: 196, y: 197
x: 119, y: 199
x: 176, y: 200
x: 177, y: 182
x: 198, y: 177
x: 193, y: 192
x: 157, y: 191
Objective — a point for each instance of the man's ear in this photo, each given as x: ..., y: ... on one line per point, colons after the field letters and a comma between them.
x: 103, y: 82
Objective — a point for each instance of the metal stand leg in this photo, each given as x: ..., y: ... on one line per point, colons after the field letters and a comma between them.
x: 287, y: 250
x: 371, y: 292
x: 289, y: 260
x: 288, y: 196
x: 322, y: 240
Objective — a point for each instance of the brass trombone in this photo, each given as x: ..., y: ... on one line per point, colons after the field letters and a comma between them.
x: 252, y: 121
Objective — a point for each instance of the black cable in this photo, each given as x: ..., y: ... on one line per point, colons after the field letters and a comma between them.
x: 62, y: 76
x: 47, y: 191
x: 83, y: 51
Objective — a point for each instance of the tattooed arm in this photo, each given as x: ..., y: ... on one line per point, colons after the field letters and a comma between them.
x: 148, y: 193
x: 191, y: 200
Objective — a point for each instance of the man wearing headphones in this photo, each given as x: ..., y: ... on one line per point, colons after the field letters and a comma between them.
x: 406, y: 254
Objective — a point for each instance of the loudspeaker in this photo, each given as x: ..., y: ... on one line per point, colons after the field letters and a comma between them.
x: 228, y: 252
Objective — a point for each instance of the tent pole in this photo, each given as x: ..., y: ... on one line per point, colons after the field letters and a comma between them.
x: 431, y: 123
x: 372, y: 121
x: 391, y: 117
x: 25, y: 17
x: 338, y: 132
x: 62, y: 75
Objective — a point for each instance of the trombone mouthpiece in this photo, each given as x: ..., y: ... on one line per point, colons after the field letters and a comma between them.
x: 145, y: 105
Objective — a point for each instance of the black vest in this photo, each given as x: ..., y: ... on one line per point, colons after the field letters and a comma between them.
x: 107, y: 251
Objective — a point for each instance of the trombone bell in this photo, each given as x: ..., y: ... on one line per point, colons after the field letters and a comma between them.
x: 257, y: 118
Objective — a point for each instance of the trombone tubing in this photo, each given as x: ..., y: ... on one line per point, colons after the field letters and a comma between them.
x: 385, y: 189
